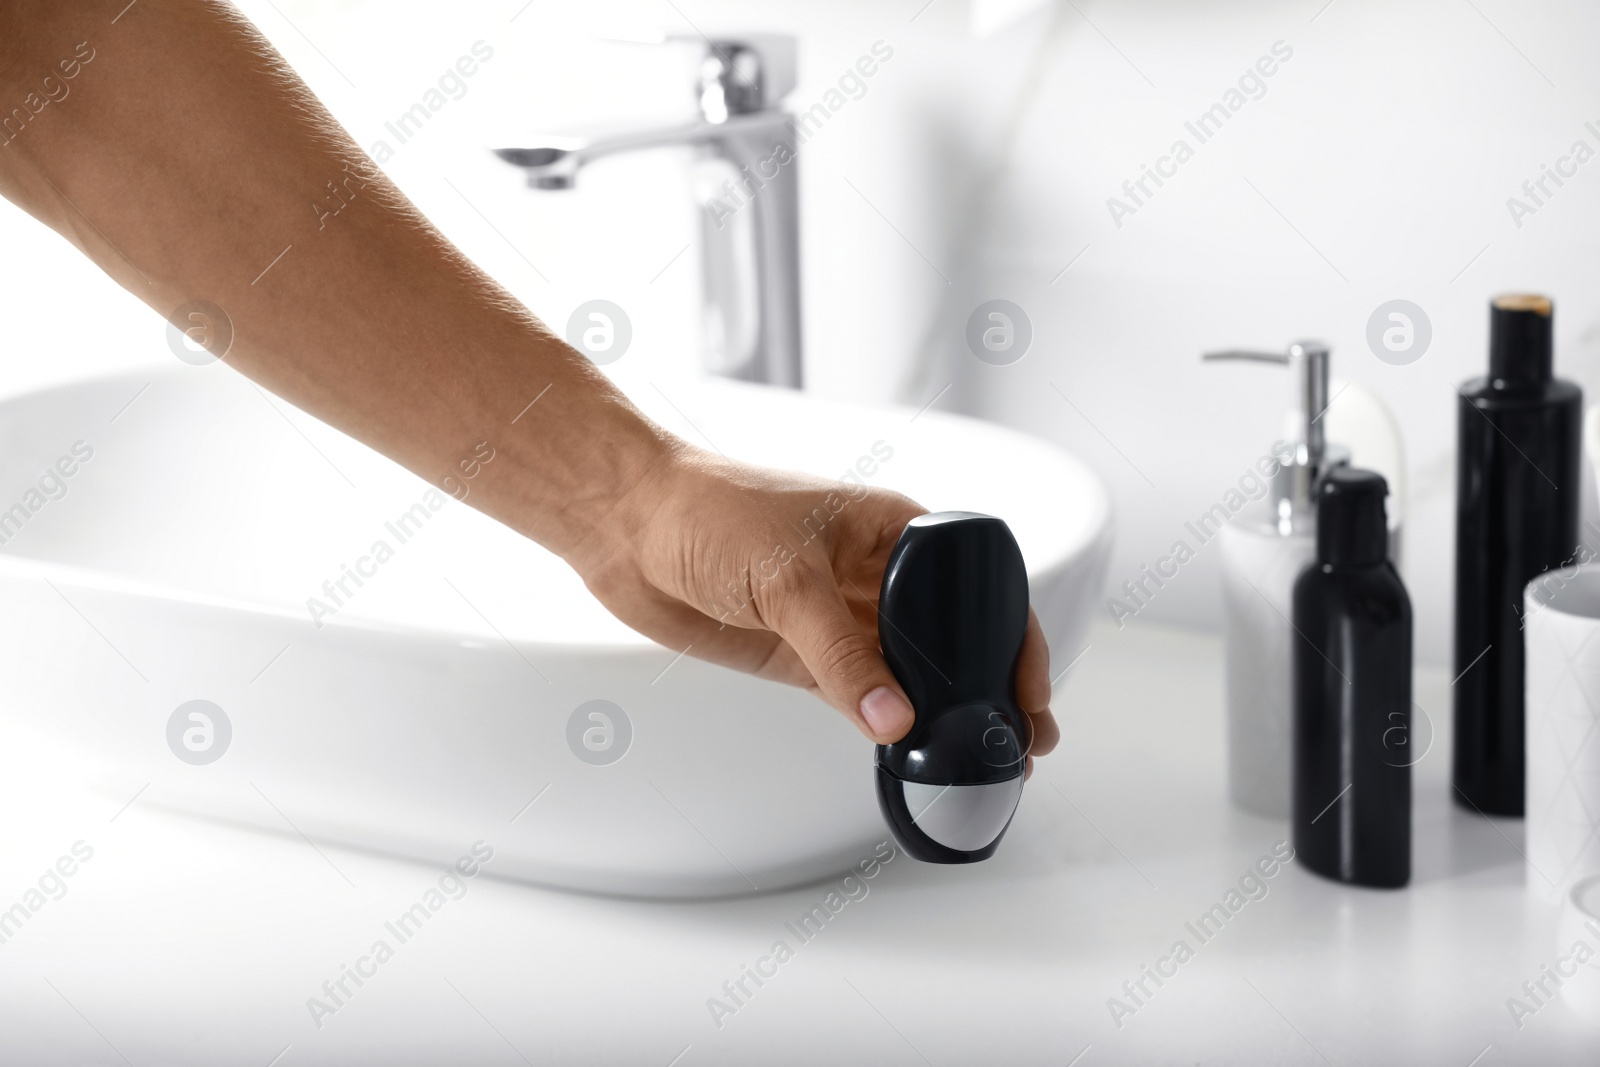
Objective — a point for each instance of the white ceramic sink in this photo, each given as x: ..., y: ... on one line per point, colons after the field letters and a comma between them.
x: 434, y: 708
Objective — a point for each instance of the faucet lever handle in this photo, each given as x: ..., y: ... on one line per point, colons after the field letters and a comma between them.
x: 743, y: 72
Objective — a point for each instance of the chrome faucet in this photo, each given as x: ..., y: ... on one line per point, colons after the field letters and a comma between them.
x: 748, y: 194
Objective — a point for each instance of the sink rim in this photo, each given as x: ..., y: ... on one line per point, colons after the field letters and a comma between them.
x: 1093, y: 528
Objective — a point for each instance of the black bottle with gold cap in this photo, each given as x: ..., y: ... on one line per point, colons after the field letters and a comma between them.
x: 1517, y: 498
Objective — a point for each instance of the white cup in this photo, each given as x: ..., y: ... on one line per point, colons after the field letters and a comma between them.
x: 1561, y: 631
x: 1579, y: 925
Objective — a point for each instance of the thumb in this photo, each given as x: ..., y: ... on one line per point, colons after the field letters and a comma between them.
x: 844, y: 661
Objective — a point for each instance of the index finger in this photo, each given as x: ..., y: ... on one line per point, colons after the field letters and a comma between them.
x: 1031, y: 686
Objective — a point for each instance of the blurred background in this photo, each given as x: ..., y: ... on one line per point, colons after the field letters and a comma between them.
x: 977, y: 163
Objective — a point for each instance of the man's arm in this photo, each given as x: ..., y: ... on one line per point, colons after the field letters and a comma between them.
x: 183, y: 155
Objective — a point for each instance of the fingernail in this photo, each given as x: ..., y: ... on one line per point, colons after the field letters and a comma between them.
x: 886, y: 712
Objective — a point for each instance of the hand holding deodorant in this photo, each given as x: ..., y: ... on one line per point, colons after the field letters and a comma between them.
x: 952, y: 614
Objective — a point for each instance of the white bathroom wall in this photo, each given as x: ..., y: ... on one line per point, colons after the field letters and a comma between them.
x: 976, y: 164
x: 1376, y: 166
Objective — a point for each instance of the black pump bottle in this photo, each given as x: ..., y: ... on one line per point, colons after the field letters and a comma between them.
x: 1517, y: 498
x: 951, y: 618
x: 1352, y: 693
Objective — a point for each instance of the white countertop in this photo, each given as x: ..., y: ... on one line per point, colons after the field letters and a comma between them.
x: 184, y: 942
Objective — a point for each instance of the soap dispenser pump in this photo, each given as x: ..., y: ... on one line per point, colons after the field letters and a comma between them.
x: 1266, y: 541
x: 952, y: 613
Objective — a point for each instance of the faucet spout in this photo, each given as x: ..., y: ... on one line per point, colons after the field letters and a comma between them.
x: 748, y: 195
x: 548, y: 167
x: 555, y: 163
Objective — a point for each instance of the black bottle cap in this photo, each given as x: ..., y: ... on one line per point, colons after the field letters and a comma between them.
x: 1352, y: 530
x: 1519, y: 339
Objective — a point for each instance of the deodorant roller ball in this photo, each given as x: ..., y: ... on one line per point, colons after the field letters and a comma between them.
x: 1352, y: 693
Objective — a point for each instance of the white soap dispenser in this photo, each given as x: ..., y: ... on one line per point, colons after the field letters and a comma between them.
x: 1265, y: 546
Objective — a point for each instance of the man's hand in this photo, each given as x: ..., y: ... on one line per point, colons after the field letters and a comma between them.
x: 776, y: 574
